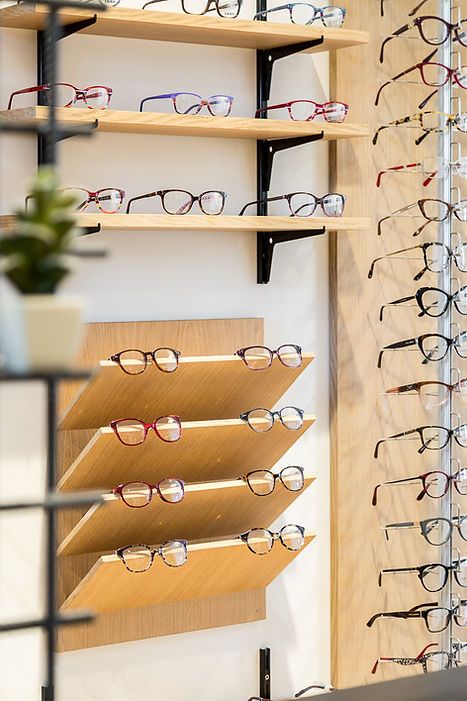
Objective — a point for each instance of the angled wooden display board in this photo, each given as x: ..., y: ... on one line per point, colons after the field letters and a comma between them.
x: 126, y: 122
x: 206, y: 387
x: 209, y: 509
x: 207, y: 450
x: 189, y: 29
x: 213, y: 568
x: 200, y: 222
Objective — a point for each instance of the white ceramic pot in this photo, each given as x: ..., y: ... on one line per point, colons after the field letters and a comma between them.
x: 39, y: 332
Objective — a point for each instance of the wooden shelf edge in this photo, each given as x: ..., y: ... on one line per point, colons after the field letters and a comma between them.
x: 278, y: 499
x: 195, y: 222
x: 194, y: 29
x: 120, y: 121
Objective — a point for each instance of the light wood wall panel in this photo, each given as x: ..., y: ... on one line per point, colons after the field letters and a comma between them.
x: 360, y: 415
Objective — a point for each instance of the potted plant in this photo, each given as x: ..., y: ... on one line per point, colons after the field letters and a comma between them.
x: 39, y: 330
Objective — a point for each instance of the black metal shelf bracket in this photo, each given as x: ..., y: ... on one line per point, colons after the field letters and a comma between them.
x: 265, y: 673
x: 267, y: 58
x: 88, y: 230
x: 78, y: 130
x: 74, y: 27
x: 268, y: 149
x: 265, y: 243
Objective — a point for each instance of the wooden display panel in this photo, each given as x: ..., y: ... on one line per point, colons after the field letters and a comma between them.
x: 125, y: 122
x: 207, y: 450
x: 200, y: 222
x: 213, y: 568
x: 360, y: 414
x: 188, y: 29
x: 206, y: 387
x: 208, y: 510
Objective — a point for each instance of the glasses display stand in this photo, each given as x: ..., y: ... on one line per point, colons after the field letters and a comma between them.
x: 165, y: 600
x: 364, y: 411
x: 272, y: 41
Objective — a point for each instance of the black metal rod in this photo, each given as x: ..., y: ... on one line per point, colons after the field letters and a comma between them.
x: 69, y: 619
x: 265, y: 673
x: 56, y: 501
x: 261, y: 104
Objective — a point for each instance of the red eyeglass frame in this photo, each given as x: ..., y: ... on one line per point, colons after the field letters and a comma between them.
x: 118, y: 491
x: 319, y: 109
x: 114, y: 426
x: 79, y: 94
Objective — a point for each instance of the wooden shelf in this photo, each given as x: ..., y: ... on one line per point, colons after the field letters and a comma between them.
x: 200, y: 222
x: 213, y: 568
x: 209, y: 510
x: 202, y: 388
x: 207, y: 450
x: 188, y: 29
x: 124, y: 122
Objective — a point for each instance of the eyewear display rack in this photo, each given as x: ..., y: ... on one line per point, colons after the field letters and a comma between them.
x: 211, y: 455
x: 272, y: 42
x: 357, y: 534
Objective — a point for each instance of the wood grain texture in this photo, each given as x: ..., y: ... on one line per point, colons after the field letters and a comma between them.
x: 109, y: 586
x: 201, y: 222
x: 203, y: 387
x: 126, y: 122
x: 165, y: 619
x: 213, y: 509
x: 194, y: 337
x: 360, y: 415
x: 188, y: 29
x: 207, y: 450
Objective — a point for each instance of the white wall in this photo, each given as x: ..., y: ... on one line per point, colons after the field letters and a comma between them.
x: 177, y: 275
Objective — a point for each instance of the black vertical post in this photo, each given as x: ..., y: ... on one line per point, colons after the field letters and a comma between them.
x: 51, y: 587
x: 41, y: 96
x: 46, y: 74
x: 265, y: 673
x: 261, y: 103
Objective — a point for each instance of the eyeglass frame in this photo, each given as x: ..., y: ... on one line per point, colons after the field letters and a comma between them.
x: 421, y: 658
x: 153, y: 488
x: 420, y: 611
x: 408, y: 168
x: 194, y: 198
x: 424, y: 247
x: 241, y: 354
x: 450, y: 210
x: 407, y: 480
x: 450, y: 120
x: 275, y: 535
x: 173, y: 96
x: 148, y: 355
x: 244, y: 417
x: 317, y: 113
x: 318, y: 13
x: 450, y: 433
x: 276, y: 476
x: 416, y: 386
x: 454, y: 567
x: 147, y: 426
x: 79, y: 93
x: 207, y: 9
x: 417, y: 22
x: 418, y: 341
x: 424, y: 527
x: 449, y: 298
x: 288, y: 197
x: 154, y: 552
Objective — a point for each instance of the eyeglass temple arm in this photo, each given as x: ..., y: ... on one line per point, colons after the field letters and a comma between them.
x: 35, y: 88
x: 272, y: 107
x: 395, y: 34
x: 308, y: 688
x: 391, y: 614
x: 416, y: 9
x: 398, y: 526
x: 427, y: 99
x: 140, y: 197
x: 395, y: 346
x: 153, y: 97
x: 151, y: 2
x: 395, y: 570
x: 266, y: 199
x: 394, y: 302
x: 392, y: 170
x: 407, y: 480
x: 272, y: 9
x: 391, y: 438
x: 402, y: 250
x: 406, y: 72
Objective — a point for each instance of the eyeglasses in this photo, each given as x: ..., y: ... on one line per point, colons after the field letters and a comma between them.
x: 134, y: 362
x: 96, y: 97
x: 430, y: 661
x: 261, y: 540
x: 139, y: 558
x: 436, y: 257
x: 263, y: 482
x: 179, y: 202
x: 304, y: 204
x: 432, y: 394
x: 432, y: 166
x: 429, y: 122
x: 436, y: 618
x: 224, y: 8
x: 435, y: 484
x: 108, y: 199
x: 316, y: 686
x: 433, y: 577
x: 307, y: 110
x: 433, y: 346
x: 136, y: 495
x: 262, y: 420
x: 134, y: 431
x: 433, y: 74
x: 432, y: 301
x: 261, y: 357
x: 431, y: 437
x: 304, y: 13
x: 191, y: 103
x: 436, y: 531
x: 430, y: 209
x: 433, y: 30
